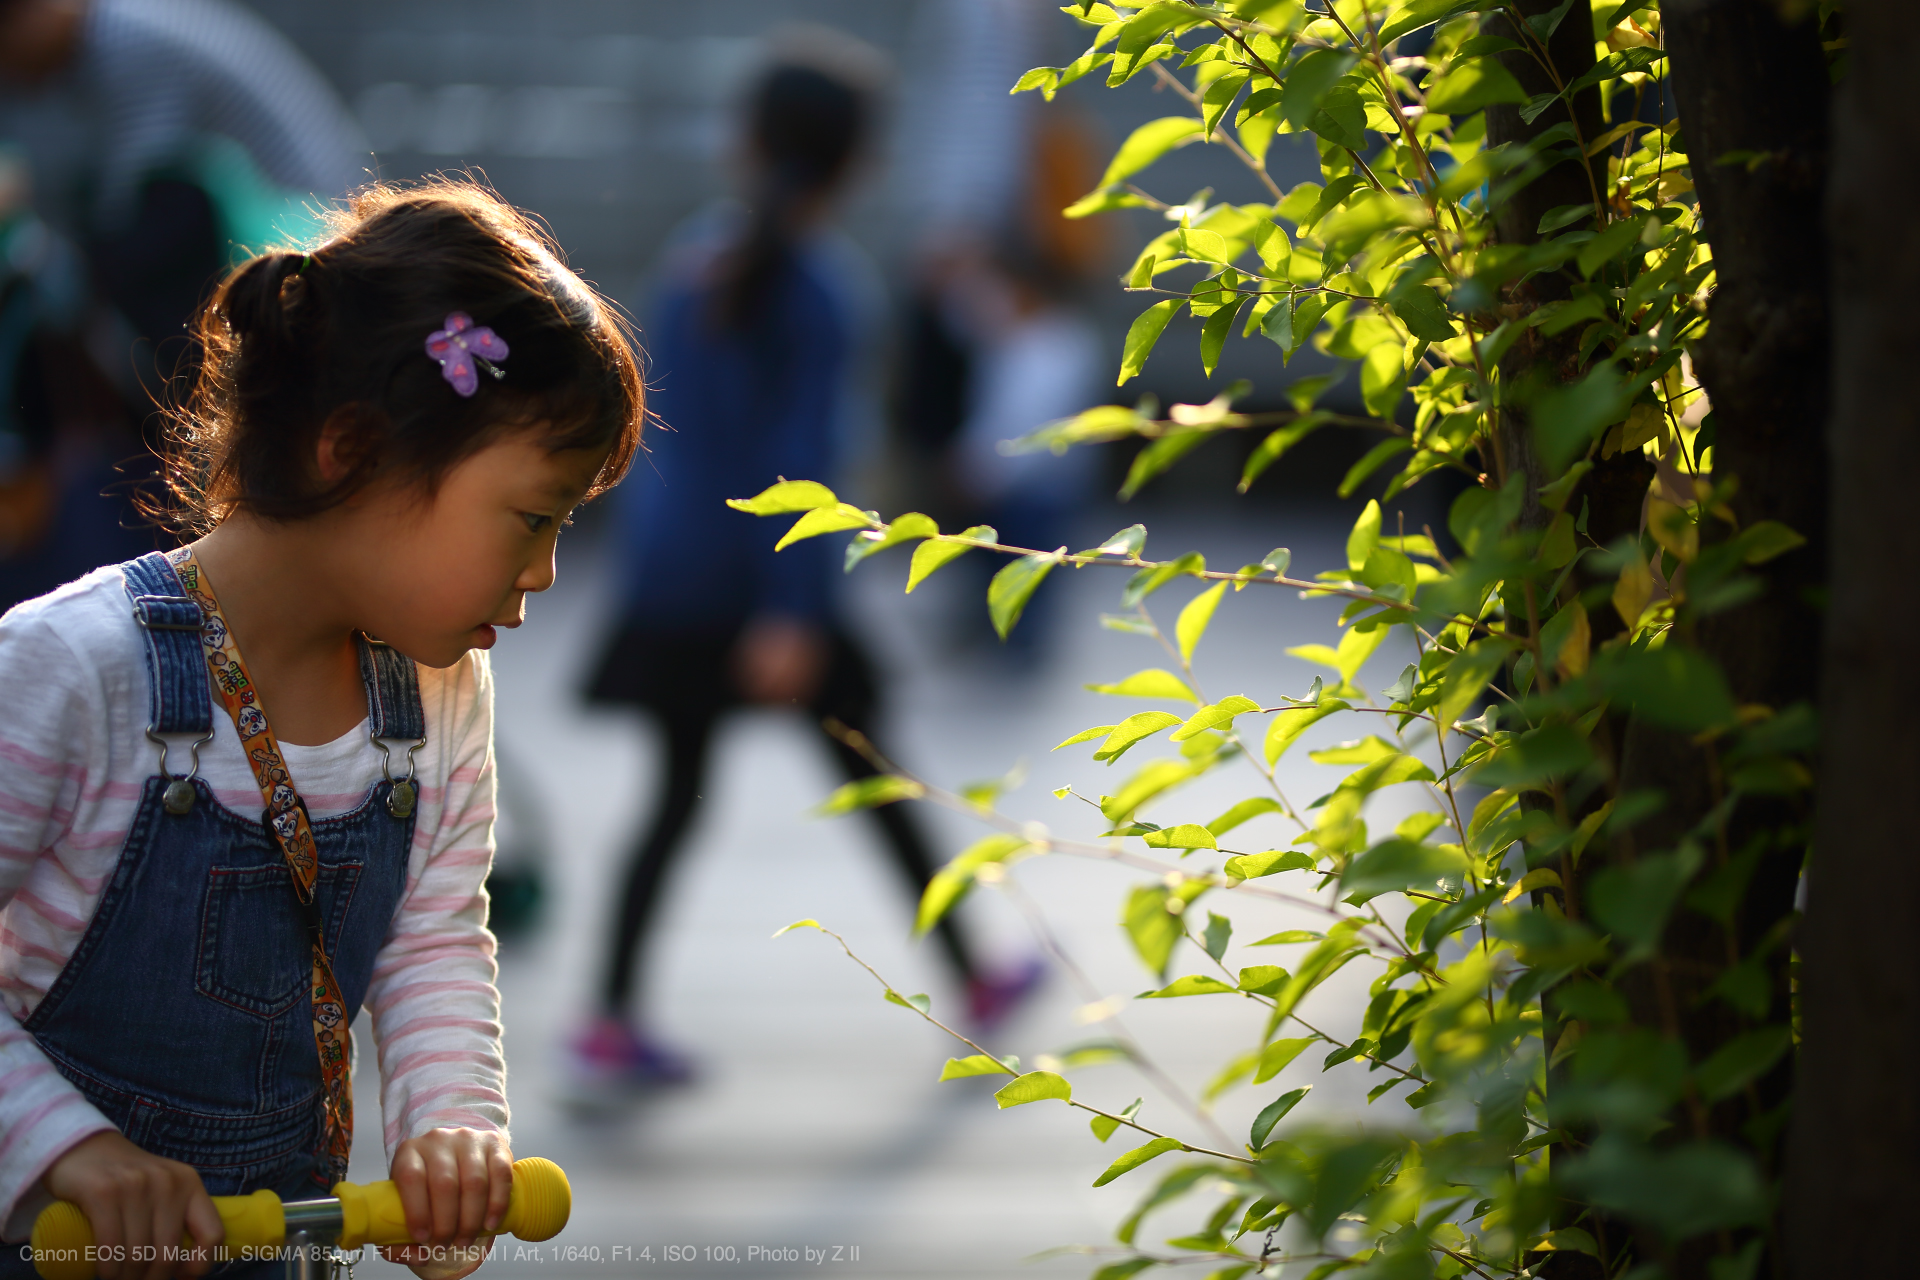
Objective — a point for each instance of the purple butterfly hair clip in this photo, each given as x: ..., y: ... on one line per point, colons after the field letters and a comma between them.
x: 460, y: 346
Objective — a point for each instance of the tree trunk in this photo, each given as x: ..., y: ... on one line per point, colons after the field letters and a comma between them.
x: 1856, y: 1124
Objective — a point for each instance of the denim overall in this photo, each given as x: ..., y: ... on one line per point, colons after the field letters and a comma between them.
x: 184, y: 1014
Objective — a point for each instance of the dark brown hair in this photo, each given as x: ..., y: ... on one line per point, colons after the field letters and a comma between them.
x: 291, y: 340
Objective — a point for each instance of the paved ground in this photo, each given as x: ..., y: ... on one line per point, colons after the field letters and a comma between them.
x: 817, y: 1125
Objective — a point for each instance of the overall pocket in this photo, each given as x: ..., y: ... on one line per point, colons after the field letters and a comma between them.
x: 254, y: 954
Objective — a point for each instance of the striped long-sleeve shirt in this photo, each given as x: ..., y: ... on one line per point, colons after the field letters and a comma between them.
x: 73, y: 760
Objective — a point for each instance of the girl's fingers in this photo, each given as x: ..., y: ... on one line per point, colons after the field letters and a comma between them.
x: 443, y: 1190
x: 410, y: 1178
x: 499, y: 1184
x: 204, y: 1225
x: 476, y: 1188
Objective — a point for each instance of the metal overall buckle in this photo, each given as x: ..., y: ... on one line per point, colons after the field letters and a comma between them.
x: 405, y: 793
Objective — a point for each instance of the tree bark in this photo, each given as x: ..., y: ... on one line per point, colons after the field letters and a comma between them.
x: 1856, y: 1123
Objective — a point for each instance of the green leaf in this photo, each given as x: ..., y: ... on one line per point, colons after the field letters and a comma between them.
x: 1035, y: 1086
x: 1286, y: 727
x: 1194, y: 984
x: 1286, y: 936
x: 1474, y: 85
x: 1219, y: 933
x: 1137, y: 1157
x: 1127, y: 1268
x: 1193, y: 620
x: 869, y: 793
x: 1127, y: 544
x: 1251, y: 866
x: 1383, y: 381
x: 1609, y: 244
x: 1365, y: 536
x: 821, y: 520
x: 1276, y: 1056
x: 1566, y: 420
x: 974, y: 1064
x: 1554, y: 750
x: 1151, y: 683
x: 1682, y: 1190
x: 1103, y: 1126
x: 1148, y: 143
x: 1158, y: 456
x: 1215, y: 331
x: 1143, y: 724
x: 787, y: 496
x: 1307, y: 83
x: 1396, y: 865
x: 1243, y: 812
x: 1013, y: 586
x: 1467, y: 677
x: 1218, y: 716
x: 1366, y: 750
x: 1263, y: 979
x: 907, y: 528
x: 919, y: 1003
x: 935, y: 553
x: 1375, y: 457
x: 1742, y: 1060
x: 1673, y: 686
x: 1421, y: 310
x: 1271, y: 449
x: 951, y: 882
x: 1088, y: 735
x: 1148, y: 581
x: 1762, y: 540
x: 1342, y: 119
x: 1633, y: 901
x: 1152, y: 928
x: 1271, y: 1115
x: 1145, y: 331
x: 1187, y: 835
x: 1421, y: 13
x: 1356, y: 646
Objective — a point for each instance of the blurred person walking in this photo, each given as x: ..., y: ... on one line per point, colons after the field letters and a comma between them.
x: 755, y: 334
x: 997, y: 342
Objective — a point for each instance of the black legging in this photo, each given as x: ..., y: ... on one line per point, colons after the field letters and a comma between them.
x: 684, y: 682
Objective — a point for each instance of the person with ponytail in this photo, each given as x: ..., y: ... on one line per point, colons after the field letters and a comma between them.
x: 249, y: 782
x: 756, y: 345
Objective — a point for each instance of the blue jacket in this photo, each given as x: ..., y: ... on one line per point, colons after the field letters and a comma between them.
x: 739, y: 410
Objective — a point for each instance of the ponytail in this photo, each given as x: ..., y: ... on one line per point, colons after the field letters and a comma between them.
x: 806, y: 125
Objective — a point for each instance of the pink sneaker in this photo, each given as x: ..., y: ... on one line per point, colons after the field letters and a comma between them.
x: 991, y: 1001
x: 610, y: 1054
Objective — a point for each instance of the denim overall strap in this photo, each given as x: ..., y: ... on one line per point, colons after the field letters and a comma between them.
x: 176, y: 673
x: 393, y: 692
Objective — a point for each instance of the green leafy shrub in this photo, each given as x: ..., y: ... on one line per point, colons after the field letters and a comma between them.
x: 1537, y: 1094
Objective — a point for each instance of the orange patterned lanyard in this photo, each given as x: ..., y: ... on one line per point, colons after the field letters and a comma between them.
x: 293, y: 831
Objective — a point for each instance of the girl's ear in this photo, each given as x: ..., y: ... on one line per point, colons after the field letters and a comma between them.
x: 341, y: 446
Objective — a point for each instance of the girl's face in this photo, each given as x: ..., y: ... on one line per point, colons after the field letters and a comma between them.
x: 436, y: 577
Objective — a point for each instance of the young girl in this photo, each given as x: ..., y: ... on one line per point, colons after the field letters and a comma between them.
x: 248, y: 785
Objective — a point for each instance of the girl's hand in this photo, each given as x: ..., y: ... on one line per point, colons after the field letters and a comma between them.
x: 454, y: 1185
x: 137, y: 1202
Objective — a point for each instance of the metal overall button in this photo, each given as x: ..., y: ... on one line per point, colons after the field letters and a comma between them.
x: 178, y: 796
x: 405, y: 792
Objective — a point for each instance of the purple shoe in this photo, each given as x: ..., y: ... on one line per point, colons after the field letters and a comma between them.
x: 609, y: 1055
x: 991, y: 1001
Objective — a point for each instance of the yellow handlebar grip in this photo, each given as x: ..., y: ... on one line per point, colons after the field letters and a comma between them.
x: 62, y: 1235
x: 542, y: 1201
x: 61, y: 1238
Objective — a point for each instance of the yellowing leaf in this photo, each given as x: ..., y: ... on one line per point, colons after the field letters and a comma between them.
x: 1538, y: 878
x: 1634, y: 589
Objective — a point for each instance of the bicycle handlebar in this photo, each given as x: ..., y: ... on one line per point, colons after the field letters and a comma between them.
x: 353, y: 1216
